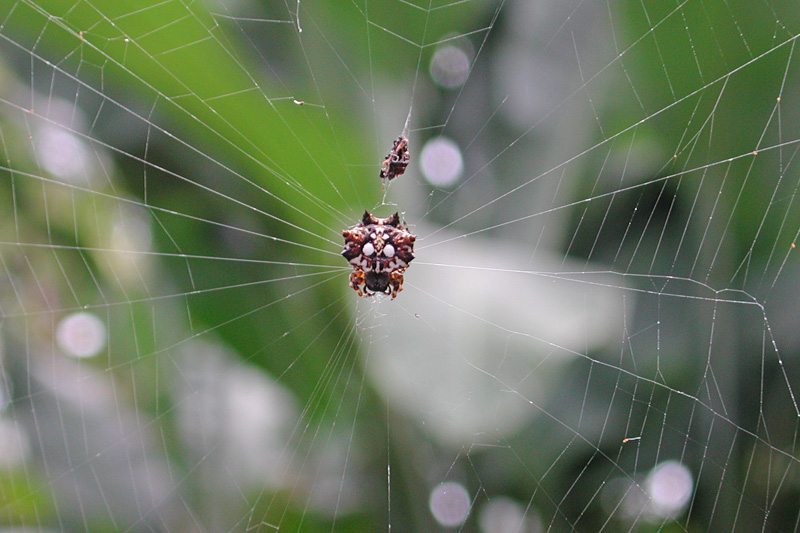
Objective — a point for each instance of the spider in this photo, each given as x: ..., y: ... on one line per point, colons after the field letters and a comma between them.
x: 396, y: 160
x: 379, y: 250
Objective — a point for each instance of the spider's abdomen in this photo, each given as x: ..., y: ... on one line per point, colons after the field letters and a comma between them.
x: 377, y: 282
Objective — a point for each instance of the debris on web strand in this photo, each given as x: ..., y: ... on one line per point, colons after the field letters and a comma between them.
x: 396, y: 160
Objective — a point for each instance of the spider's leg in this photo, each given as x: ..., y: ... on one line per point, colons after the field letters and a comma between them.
x: 396, y: 282
x: 356, y: 280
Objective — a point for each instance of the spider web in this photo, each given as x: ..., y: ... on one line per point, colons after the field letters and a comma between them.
x: 598, y: 331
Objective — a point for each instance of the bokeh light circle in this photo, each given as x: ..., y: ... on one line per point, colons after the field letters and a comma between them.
x: 670, y: 486
x: 81, y: 335
x: 450, y: 504
x: 441, y: 162
x: 450, y: 67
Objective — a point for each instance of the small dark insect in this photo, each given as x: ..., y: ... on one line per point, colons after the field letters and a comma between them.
x: 396, y: 160
x: 379, y: 250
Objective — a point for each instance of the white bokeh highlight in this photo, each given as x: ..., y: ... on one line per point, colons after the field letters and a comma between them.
x: 504, y: 515
x: 449, y: 504
x: 64, y: 155
x: 450, y: 67
x: 670, y: 486
x: 81, y: 335
x: 663, y: 495
x: 441, y: 162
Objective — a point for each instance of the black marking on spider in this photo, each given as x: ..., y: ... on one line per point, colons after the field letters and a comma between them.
x: 379, y: 250
x: 396, y: 160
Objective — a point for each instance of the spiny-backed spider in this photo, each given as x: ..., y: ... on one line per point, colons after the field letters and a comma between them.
x: 379, y: 250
